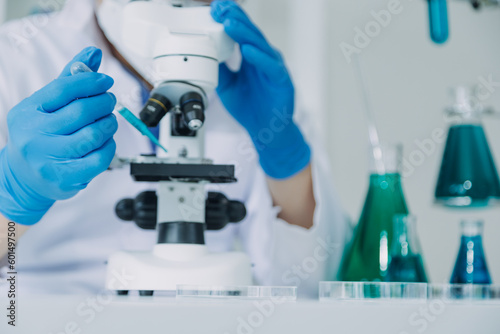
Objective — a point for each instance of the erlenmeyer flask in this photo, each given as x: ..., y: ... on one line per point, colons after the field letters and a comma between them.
x: 366, y: 258
x: 471, y: 266
x: 406, y: 262
x: 468, y: 175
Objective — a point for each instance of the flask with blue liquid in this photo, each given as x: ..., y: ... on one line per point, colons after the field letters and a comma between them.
x: 468, y: 176
x: 406, y: 262
x: 471, y: 267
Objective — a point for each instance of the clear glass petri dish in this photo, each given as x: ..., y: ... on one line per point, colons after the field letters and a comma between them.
x: 336, y: 291
x: 278, y: 293
x: 471, y: 292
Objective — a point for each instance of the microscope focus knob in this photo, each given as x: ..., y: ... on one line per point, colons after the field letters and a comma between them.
x: 125, y: 209
x: 141, y: 210
x: 236, y: 211
x: 220, y: 211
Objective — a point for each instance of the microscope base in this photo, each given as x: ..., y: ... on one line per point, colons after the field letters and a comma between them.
x: 145, y: 271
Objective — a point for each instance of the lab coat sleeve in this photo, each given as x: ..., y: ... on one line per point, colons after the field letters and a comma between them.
x: 4, y: 109
x: 285, y: 254
x: 3, y: 141
x: 5, y: 92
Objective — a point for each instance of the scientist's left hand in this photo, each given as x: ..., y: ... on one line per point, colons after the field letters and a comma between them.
x: 260, y: 96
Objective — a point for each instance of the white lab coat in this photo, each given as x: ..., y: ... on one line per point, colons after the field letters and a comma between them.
x: 66, y: 251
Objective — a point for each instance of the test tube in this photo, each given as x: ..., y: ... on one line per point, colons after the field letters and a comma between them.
x: 79, y: 67
x: 438, y: 21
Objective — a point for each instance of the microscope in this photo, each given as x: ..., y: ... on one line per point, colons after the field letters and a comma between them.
x: 186, y: 46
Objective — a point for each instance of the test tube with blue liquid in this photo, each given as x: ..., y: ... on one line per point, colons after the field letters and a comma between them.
x: 438, y: 20
x: 79, y: 67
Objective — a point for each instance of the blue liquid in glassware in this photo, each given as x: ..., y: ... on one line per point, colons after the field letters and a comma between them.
x: 471, y: 266
x: 408, y: 268
x: 438, y: 20
x: 468, y: 169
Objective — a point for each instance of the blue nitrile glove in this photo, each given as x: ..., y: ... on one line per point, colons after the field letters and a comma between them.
x: 260, y: 96
x: 60, y: 138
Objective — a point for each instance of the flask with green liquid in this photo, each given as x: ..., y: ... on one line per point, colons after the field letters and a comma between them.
x: 367, y: 256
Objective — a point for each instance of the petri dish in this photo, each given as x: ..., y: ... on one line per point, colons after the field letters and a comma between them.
x: 471, y: 292
x: 336, y: 291
x: 278, y: 293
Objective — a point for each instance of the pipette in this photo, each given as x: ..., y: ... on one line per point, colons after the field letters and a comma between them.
x: 372, y: 127
x: 79, y: 67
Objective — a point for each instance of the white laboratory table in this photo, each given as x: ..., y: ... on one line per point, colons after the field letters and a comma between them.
x: 133, y: 314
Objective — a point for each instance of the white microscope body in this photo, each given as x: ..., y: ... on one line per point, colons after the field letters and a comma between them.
x: 187, y: 47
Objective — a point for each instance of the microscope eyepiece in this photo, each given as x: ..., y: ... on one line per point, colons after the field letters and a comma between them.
x: 193, y: 110
x: 155, y: 109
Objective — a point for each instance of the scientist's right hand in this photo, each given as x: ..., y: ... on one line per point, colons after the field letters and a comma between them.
x: 60, y: 138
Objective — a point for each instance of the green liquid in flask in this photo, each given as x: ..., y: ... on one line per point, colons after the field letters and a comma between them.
x: 367, y: 257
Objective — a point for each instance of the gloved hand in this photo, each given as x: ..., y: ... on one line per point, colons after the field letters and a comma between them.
x: 60, y: 138
x: 260, y: 96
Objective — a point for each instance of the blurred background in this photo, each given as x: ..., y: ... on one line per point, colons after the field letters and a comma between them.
x: 409, y: 79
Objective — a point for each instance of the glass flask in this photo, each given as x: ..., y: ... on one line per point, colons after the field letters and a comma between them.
x: 367, y: 256
x: 471, y: 266
x: 406, y: 263
x: 468, y: 175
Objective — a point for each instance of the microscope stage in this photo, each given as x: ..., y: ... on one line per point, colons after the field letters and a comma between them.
x: 154, y: 172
